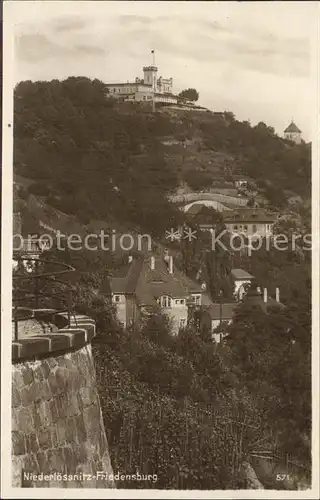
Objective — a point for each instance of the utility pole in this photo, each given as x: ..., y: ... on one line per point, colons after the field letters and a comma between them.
x: 153, y: 104
x: 153, y: 84
x: 220, y: 296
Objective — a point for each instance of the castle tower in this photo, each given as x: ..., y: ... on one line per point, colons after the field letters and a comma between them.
x: 150, y: 76
x: 293, y: 133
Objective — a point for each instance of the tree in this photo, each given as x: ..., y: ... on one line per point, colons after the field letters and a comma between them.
x: 158, y: 328
x: 62, y: 128
x: 189, y: 94
x: 272, y: 358
x: 197, y: 180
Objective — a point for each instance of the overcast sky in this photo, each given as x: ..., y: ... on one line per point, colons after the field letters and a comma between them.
x: 250, y: 58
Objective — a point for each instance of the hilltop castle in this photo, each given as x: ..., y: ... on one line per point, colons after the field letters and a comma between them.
x: 293, y: 133
x: 149, y: 88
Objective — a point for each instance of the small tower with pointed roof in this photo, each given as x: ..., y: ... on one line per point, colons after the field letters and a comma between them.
x: 293, y: 133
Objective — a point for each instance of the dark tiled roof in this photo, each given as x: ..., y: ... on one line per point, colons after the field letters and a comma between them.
x: 126, y: 278
x: 150, y: 288
x: 248, y: 215
x: 138, y: 278
x: 292, y: 128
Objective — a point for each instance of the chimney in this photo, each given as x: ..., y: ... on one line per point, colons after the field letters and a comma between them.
x: 130, y: 259
x: 265, y: 295
x: 277, y: 295
x: 153, y: 263
x: 171, y: 264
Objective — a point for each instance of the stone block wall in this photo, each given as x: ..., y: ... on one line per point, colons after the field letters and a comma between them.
x: 57, y: 425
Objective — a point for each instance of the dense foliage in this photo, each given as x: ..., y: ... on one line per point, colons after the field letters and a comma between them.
x: 88, y: 157
x: 190, y: 94
x: 277, y: 165
x: 165, y: 411
x: 271, y: 357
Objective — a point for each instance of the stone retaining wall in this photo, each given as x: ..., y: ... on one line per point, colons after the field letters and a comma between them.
x: 57, y: 425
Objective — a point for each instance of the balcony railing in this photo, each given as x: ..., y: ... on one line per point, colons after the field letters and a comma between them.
x: 37, y: 287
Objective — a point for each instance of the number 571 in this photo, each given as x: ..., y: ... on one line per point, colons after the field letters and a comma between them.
x: 282, y: 477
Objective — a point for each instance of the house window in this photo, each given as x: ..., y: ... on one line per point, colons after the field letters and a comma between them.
x: 235, y: 228
x: 166, y: 302
x: 182, y: 302
x: 196, y: 299
x: 254, y: 228
x: 245, y: 227
x: 117, y: 298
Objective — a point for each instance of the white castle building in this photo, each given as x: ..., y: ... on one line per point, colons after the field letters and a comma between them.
x: 149, y: 88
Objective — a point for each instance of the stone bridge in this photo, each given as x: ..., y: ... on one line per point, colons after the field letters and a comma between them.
x: 218, y: 201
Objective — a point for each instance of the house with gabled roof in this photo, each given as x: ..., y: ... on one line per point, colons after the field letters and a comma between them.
x: 249, y: 221
x: 146, y: 283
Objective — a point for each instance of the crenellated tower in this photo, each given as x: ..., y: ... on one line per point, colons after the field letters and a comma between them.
x: 150, y: 76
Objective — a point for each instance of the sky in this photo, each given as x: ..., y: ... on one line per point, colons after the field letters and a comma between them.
x: 251, y: 58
